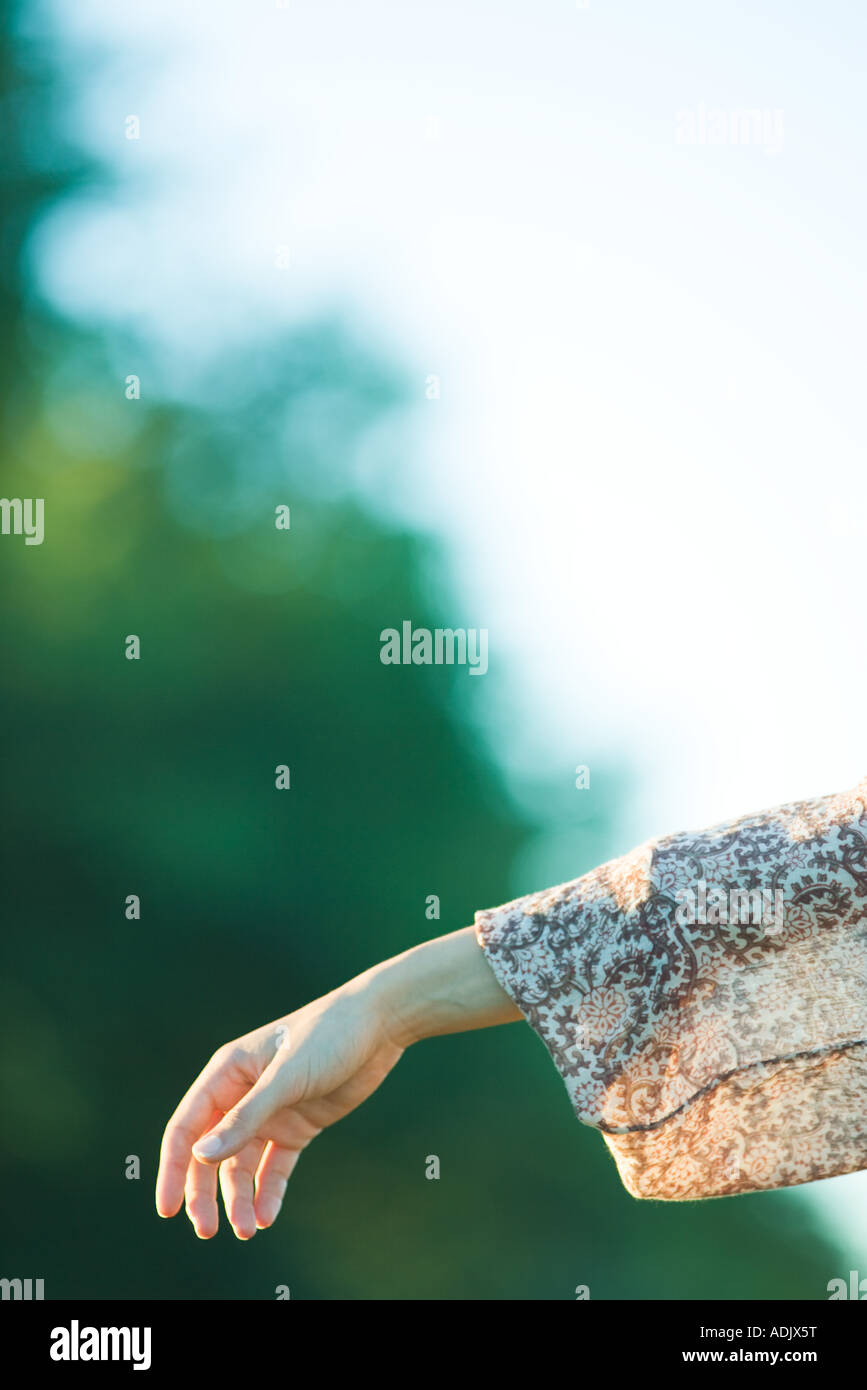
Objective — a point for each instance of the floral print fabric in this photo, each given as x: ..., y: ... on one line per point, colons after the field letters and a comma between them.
x: 705, y: 998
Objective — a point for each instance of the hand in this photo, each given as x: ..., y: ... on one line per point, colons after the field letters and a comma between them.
x: 261, y: 1099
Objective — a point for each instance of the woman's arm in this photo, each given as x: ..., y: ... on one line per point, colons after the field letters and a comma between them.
x: 262, y: 1098
x: 704, y: 998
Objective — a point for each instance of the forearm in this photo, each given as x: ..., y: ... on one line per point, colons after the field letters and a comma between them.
x: 442, y: 986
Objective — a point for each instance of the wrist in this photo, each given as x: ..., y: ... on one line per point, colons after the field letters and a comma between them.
x: 442, y: 986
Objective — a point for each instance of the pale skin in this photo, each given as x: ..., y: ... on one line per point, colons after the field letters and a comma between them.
x: 260, y: 1100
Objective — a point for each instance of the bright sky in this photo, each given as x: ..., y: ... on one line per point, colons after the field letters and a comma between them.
x: 648, y: 452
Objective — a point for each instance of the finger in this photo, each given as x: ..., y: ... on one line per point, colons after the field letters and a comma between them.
x: 272, y: 1176
x: 236, y: 1185
x: 200, y: 1199
x: 193, y: 1117
x: 243, y: 1122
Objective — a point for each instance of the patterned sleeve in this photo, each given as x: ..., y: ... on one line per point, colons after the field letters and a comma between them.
x: 705, y: 998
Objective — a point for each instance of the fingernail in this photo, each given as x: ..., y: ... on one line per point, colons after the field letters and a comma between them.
x: 207, y: 1147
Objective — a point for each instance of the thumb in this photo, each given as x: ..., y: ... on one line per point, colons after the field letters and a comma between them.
x: 240, y: 1124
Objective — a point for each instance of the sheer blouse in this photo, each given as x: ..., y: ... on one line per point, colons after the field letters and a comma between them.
x: 704, y: 998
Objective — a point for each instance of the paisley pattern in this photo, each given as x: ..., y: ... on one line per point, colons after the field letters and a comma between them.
x: 716, y: 1055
